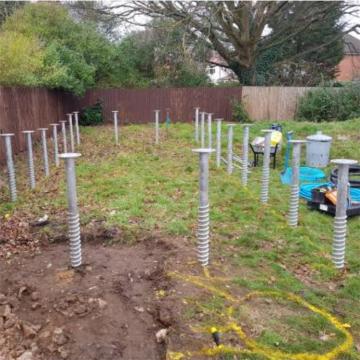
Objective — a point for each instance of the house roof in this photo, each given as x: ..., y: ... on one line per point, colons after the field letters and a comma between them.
x: 351, y: 45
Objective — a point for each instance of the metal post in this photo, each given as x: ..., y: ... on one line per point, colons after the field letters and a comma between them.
x: 245, y: 154
x: 10, y: 166
x: 294, y: 196
x: 218, y: 142
x: 340, y: 222
x: 55, y: 143
x: 202, y: 129
x: 44, y: 148
x: 116, y: 126
x: 157, y: 120
x: 210, y: 130
x: 31, y: 169
x: 77, y: 129
x: 203, y: 231
x: 72, y: 143
x: 197, y: 124
x: 63, y: 130
x: 264, y: 195
x: 230, y: 148
x: 73, y: 212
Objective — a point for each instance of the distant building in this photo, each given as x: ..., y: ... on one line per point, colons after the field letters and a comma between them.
x: 217, y: 71
x: 349, y: 66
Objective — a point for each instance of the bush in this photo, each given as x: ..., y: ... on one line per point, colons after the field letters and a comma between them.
x: 330, y: 104
x: 92, y: 115
x: 239, y: 112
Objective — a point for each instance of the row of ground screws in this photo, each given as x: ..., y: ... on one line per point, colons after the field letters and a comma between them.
x: 340, y: 221
x: 69, y: 158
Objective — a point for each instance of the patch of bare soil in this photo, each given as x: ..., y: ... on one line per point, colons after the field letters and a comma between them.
x: 111, y: 308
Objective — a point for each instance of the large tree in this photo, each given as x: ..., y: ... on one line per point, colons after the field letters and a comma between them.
x: 241, y: 31
x: 165, y: 55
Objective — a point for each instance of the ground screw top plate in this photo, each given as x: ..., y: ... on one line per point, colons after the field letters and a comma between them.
x: 344, y: 161
x: 203, y: 150
x: 69, y: 155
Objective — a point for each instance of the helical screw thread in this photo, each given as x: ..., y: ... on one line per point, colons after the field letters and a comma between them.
x: 74, y: 238
x: 203, y: 235
x: 294, y: 206
x: 264, y: 194
x: 245, y: 157
x: 10, y: 167
x: 339, y: 241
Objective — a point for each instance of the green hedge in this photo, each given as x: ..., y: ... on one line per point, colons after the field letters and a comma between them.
x: 330, y: 104
x: 92, y: 115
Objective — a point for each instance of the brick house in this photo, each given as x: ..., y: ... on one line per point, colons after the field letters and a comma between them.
x: 349, y: 66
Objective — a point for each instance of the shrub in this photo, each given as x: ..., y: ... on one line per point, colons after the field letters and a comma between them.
x: 239, y: 112
x: 330, y: 104
x: 92, y: 115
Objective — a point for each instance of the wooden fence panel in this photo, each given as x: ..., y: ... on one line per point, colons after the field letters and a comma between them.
x: 31, y: 108
x: 137, y: 105
x: 273, y: 102
x: 28, y: 109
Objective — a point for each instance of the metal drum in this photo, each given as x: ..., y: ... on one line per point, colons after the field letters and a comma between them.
x: 318, y: 150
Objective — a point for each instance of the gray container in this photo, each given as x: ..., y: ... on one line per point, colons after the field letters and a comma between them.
x: 318, y: 150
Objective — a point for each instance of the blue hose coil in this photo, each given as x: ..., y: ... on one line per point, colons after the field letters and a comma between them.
x: 307, y: 174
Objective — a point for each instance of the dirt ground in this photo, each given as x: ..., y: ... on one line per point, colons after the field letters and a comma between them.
x: 111, y: 308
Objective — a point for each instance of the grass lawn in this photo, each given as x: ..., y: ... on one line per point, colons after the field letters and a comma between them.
x: 141, y: 188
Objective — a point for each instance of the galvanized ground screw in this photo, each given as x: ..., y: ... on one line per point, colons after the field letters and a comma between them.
x: 72, y: 142
x: 245, y: 154
x: 203, y: 231
x: 73, y: 212
x: 264, y: 195
x: 197, y: 124
x: 202, y: 129
x: 55, y: 143
x: 45, y: 152
x: 209, y: 130
x: 218, y: 142
x: 116, y: 126
x: 230, y: 136
x: 31, y: 169
x: 157, y: 121
x: 10, y: 166
x: 63, y: 130
x: 295, y: 189
x: 77, y: 130
x: 340, y: 222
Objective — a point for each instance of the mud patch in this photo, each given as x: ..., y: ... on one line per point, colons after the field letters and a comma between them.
x: 112, y: 308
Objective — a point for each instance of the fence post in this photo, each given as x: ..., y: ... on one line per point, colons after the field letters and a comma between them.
x: 55, y: 142
x: 44, y: 149
x: 31, y: 169
x: 218, y: 142
x: 294, y: 196
x: 264, y: 195
x: 340, y: 221
x: 203, y: 232
x: 72, y: 142
x: 10, y: 166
